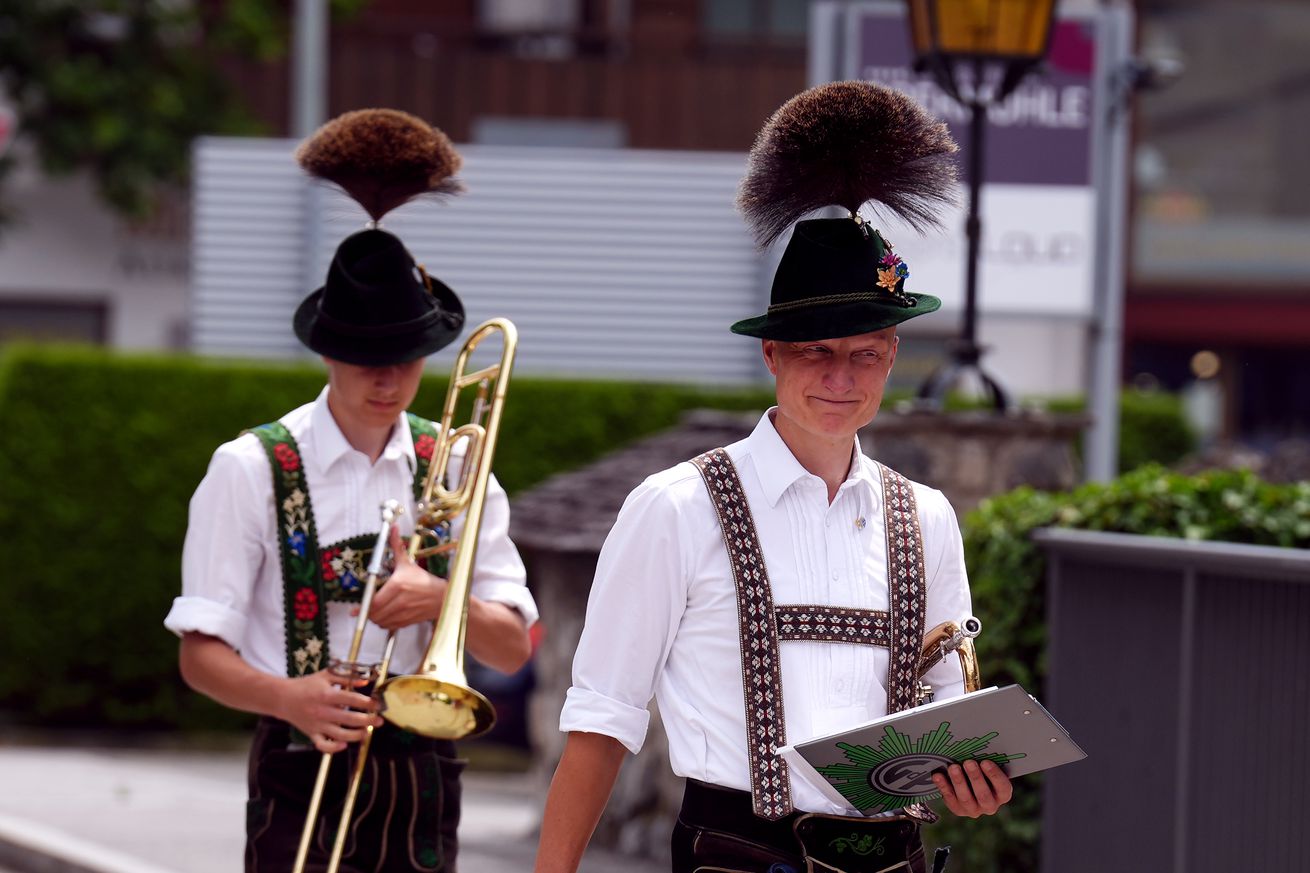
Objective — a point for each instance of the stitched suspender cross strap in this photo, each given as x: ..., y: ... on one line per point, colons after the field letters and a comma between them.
x: 761, y: 625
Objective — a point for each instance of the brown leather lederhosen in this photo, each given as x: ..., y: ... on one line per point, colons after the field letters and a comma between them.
x: 724, y: 829
x: 404, y: 819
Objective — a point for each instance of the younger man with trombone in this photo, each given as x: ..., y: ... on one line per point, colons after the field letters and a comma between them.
x: 787, y: 568
x: 280, y: 527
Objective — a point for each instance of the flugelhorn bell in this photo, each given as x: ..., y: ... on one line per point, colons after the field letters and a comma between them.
x: 947, y: 637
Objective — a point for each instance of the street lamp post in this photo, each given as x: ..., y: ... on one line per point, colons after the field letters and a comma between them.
x: 978, y: 51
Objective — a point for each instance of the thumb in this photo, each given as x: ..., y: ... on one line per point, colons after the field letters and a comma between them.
x: 398, y: 548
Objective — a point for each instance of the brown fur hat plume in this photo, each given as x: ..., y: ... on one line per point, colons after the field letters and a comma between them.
x: 382, y: 158
x: 845, y: 144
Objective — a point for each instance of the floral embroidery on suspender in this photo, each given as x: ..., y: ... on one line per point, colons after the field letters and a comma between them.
x: 305, y: 623
x: 314, y: 576
x: 424, y: 434
x: 344, y: 568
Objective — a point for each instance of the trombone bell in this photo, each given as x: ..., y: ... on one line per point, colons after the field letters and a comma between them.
x: 433, y: 707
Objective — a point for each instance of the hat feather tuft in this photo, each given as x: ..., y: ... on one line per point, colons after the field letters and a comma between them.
x: 846, y: 144
x: 382, y: 158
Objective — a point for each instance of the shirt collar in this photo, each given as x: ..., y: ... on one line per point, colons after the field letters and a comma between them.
x: 331, y: 445
x: 778, y: 468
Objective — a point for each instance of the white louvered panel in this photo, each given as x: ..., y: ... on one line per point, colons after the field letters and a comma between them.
x: 247, y: 221
x: 613, y: 264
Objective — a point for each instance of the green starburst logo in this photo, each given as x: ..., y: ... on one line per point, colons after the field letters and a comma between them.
x: 899, y: 772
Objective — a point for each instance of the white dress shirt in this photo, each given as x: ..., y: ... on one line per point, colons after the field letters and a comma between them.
x: 662, y: 614
x: 232, y: 584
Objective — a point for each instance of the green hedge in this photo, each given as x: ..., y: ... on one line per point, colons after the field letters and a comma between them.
x: 1006, y: 573
x: 99, y: 454
x: 1152, y: 427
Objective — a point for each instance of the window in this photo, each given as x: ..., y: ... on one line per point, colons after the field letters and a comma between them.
x: 53, y: 320
x: 777, y: 22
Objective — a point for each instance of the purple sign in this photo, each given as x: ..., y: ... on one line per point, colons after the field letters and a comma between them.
x: 1041, y: 135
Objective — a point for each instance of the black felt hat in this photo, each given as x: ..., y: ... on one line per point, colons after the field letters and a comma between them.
x: 377, y: 306
x: 844, y: 144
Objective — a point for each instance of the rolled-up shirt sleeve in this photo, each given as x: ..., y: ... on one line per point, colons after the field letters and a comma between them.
x: 498, y: 574
x: 947, y: 593
x: 228, y: 523
x: 633, y: 612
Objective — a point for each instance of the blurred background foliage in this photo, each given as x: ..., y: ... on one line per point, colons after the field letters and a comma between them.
x: 121, y: 88
x: 1154, y: 427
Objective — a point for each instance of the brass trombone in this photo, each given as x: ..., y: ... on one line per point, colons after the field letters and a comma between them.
x: 437, y: 701
x: 947, y: 637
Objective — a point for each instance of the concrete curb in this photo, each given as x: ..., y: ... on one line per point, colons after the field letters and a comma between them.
x: 30, y: 847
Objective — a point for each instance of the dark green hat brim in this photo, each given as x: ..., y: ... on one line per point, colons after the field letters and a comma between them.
x: 834, y: 321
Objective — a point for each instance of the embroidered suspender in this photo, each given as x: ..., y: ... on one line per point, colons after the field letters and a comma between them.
x: 760, y: 668
x: 834, y: 624
x: 302, y: 582
x: 906, y: 587
x: 424, y: 435
x: 313, y: 575
x: 762, y: 625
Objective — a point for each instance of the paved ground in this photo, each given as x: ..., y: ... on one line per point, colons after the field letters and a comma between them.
x: 77, y: 810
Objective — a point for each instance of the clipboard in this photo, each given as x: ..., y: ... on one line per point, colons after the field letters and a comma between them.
x: 887, y: 763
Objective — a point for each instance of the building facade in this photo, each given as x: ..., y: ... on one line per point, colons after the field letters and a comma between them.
x: 1218, y: 303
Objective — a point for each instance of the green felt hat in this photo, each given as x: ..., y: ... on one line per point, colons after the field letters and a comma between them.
x: 837, y: 277
x: 843, y: 144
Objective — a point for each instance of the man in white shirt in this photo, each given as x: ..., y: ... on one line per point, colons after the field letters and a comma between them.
x: 276, y: 550
x: 748, y: 590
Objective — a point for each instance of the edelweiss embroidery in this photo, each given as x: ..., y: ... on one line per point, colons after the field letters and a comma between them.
x: 312, y: 576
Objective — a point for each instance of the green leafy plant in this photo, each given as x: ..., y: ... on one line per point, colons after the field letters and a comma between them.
x: 120, y: 89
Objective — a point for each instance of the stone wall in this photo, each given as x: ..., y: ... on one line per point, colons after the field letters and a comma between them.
x: 972, y: 455
x: 639, y: 816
